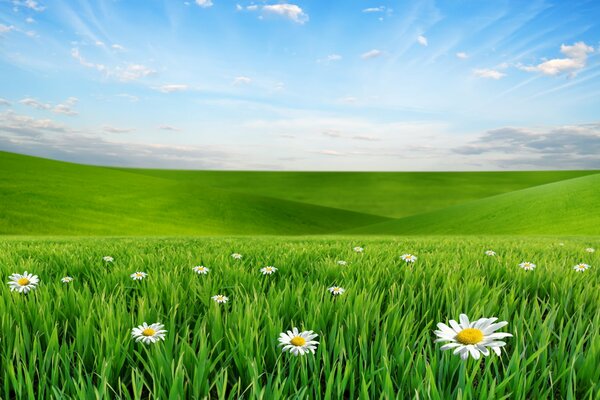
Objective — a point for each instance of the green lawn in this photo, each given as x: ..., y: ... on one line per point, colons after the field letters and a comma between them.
x: 376, y: 340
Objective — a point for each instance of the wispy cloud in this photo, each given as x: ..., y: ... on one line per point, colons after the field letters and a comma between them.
x: 63, y: 108
x: 462, y: 55
x: 422, y: 40
x: 289, y: 11
x: 128, y: 72
x: 241, y: 80
x: 4, y: 102
x: 330, y: 58
x: 489, y: 73
x: 112, y: 129
x: 374, y: 53
x: 6, y: 28
x: 204, y: 3
x: 30, y: 4
x: 172, y: 88
x: 169, y: 128
x: 374, y: 9
x: 575, y: 60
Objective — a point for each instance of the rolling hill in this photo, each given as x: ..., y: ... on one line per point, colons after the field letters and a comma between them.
x: 45, y: 197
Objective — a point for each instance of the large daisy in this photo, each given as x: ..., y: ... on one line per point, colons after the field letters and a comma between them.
x: 138, y: 276
x: 268, y: 270
x: 149, y: 333
x: 409, y: 258
x: 590, y: 250
x: 219, y: 298
x: 527, y: 266
x: 472, y: 338
x: 201, y: 269
x: 581, y: 267
x: 23, y: 283
x: 298, y: 343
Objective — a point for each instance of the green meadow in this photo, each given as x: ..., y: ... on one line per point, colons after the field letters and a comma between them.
x: 376, y: 340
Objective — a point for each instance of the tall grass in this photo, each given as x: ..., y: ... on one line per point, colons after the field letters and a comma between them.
x: 376, y: 341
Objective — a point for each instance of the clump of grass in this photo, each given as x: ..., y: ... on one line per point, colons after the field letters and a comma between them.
x: 375, y: 341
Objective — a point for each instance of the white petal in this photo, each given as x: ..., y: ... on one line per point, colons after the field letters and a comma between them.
x: 464, y: 321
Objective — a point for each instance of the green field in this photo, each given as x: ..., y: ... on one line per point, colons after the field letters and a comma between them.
x: 376, y: 340
x: 46, y: 197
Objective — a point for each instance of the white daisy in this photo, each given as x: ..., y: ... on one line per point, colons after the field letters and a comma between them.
x: 201, y: 269
x: 527, y: 266
x: 298, y: 343
x: 108, y: 259
x: 342, y: 262
x: 561, y: 244
x: 358, y: 249
x: 336, y: 290
x: 237, y: 256
x: 490, y: 253
x: 23, y: 283
x: 472, y: 338
x: 581, y: 267
x: 66, y: 279
x: 268, y: 270
x: 149, y: 333
x: 138, y: 276
x: 409, y: 258
x: 219, y: 298
x: 590, y: 250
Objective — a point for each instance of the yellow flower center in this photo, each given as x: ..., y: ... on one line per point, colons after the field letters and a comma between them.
x: 148, y: 332
x: 23, y: 282
x: 298, y: 341
x: 470, y: 336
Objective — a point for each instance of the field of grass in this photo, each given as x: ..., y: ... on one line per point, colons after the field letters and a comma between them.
x: 46, y: 197
x: 376, y: 340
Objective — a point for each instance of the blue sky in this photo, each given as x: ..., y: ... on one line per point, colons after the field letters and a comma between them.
x: 306, y: 85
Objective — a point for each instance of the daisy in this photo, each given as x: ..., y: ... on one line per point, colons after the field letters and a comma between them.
x: 237, y: 256
x: 298, y: 343
x: 581, y: 267
x: 23, y: 283
x: 358, y: 249
x: 472, y: 338
x: 268, y: 270
x: 590, y: 250
x: 219, y: 298
x: 66, y: 279
x: 490, y: 253
x: 108, y: 259
x: 342, y: 262
x: 336, y: 290
x: 149, y: 333
x: 201, y: 269
x: 409, y: 258
x: 138, y: 276
x: 527, y: 266
x: 561, y: 244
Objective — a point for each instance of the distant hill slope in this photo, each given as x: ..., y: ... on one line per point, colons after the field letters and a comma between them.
x: 45, y: 197
x: 39, y: 196
x: 570, y: 207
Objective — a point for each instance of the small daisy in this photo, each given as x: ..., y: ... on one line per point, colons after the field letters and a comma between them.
x: 298, y: 343
x: 201, y: 269
x: 527, y: 266
x: 138, y: 276
x: 66, y: 279
x: 23, y: 283
x: 358, y: 249
x: 108, y: 259
x: 490, y: 253
x: 342, y: 262
x: 581, y: 267
x: 590, y: 250
x: 472, y: 338
x: 561, y: 244
x: 409, y: 258
x: 237, y: 256
x: 149, y: 333
x: 219, y: 298
x: 336, y: 290
x: 268, y: 270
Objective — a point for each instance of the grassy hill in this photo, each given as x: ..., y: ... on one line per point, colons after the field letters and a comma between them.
x: 46, y: 197
x: 566, y: 207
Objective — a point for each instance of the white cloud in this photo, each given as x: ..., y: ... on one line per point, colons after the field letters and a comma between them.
x: 374, y: 9
x: 117, y: 47
x: 99, y: 43
x: 242, y: 80
x: 422, y: 40
x: 330, y: 153
x: 29, y: 20
x: 35, y: 103
x: 127, y: 73
x: 462, y: 55
x: 289, y: 11
x: 112, y: 129
x: 371, y: 54
x: 332, y: 133
x: 63, y: 108
x: 31, y: 4
x: 252, y: 7
x: 330, y: 58
x: 489, y: 73
x: 172, y: 88
x: 169, y: 128
x: 204, y: 3
x: 129, y: 97
x: 4, y: 102
x: 6, y: 28
x: 576, y: 57
x: 348, y: 99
